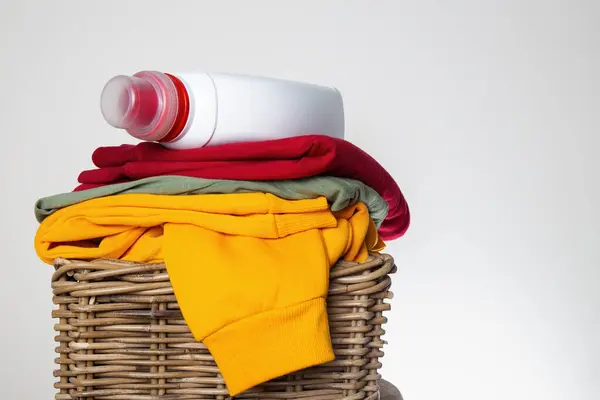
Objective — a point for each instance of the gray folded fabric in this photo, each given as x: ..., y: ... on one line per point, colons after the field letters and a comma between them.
x: 340, y: 192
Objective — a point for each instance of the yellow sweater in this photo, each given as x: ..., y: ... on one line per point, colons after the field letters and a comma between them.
x: 250, y: 271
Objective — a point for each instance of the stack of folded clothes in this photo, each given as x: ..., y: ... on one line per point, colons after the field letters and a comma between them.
x: 247, y: 231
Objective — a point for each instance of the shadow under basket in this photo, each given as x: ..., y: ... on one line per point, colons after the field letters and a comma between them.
x: 121, y: 336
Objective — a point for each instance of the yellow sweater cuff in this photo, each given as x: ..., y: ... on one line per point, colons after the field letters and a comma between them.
x: 271, y: 344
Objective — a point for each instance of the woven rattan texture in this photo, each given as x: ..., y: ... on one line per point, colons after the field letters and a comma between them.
x: 121, y: 336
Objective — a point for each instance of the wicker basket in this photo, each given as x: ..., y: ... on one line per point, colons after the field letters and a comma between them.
x: 121, y: 336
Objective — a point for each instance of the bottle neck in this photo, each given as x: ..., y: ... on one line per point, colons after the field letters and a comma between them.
x: 183, y: 110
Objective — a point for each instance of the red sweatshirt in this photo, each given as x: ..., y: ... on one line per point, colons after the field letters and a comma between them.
x: 291, y: 158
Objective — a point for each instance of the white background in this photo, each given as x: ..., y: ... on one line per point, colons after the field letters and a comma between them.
x: 486, y: 113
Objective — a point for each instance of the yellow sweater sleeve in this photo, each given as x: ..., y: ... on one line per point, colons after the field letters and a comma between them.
x: 263, y: 301
x: 250, y: 271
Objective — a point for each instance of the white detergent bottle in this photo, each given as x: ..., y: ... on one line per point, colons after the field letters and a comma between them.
x: 191, y: 110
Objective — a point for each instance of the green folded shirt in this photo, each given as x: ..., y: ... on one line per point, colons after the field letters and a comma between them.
x: 340, y: 192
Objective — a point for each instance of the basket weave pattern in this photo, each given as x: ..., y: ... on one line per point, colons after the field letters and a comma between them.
x: 121, y: 336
